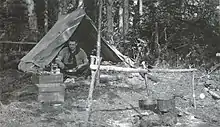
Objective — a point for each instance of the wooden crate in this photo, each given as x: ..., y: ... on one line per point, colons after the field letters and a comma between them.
x: 55, y: 97
x: 47, y: 78
x: 51, y: 93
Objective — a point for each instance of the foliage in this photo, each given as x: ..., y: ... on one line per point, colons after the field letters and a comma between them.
x: 188, y: 30
x: 14, y: 19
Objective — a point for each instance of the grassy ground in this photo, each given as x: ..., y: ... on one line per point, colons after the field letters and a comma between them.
x: 111, y: 105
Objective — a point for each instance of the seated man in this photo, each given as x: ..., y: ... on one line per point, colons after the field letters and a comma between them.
x: 73, y: 60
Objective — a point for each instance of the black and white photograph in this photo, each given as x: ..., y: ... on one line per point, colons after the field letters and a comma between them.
x: 109, y: 63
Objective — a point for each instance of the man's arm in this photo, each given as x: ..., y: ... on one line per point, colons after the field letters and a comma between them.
x: 59, y: 59
x: 84, y: 59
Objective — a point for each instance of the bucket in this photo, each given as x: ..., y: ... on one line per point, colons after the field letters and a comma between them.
x: 148, y: 104
x: 166, y: 104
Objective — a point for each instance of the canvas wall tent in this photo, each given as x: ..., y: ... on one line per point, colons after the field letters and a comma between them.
x: 76, y: 24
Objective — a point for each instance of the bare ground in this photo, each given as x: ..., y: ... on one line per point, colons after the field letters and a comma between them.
x: 114, y: 102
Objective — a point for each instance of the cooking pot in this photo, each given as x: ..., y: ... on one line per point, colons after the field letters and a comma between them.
x: 166, y: 104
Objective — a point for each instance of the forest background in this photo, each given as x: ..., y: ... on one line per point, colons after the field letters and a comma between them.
x: 172, y: 33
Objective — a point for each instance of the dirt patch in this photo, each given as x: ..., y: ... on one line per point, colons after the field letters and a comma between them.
x: 111, y: 105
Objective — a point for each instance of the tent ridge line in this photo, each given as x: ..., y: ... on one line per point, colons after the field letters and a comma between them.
x: 68, y: 15
x: 68, y: 27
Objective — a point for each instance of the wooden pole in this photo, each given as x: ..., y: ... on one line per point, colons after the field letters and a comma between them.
x: 21, y: 43
x: 95, y: 76
x: 145, y: 78
x: 123, y: 29
x: 140, y: 70
x: 99, y: 38
x: 46, y: 17
x: 110, y: 19
x: 91, y: 89
x: 99, y: 31
x: 193, y: 87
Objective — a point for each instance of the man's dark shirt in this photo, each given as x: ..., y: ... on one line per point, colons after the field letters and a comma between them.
x: 65, y: 55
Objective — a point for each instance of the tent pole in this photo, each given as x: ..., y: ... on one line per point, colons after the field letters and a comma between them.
x: 91, y: 89
x: 96, y: 75
x: 99, y: 39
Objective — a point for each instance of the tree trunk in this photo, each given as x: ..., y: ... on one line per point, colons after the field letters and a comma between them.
x: 99, y: 38
x: 99, y: 31
x: 32, y: 19
x: 60, y: 9
x: 125, y: 17
x: 140, y: 7
x: 136, y: 14
x: 219, y: 11
x: 120, y: 17
x: 40, y: 8
x: 157, y: 45
x: 140, y: 10
x: 53, y: 10
x: 31, y: 15
x: 46, y: 17
x: 109, y: 19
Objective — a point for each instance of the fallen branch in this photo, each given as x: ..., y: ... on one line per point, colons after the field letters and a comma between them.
x: 22, y: 43
x: 213, y: 94
x: 138, y: 70
x: 121, y: 69
x: 172, y: 70
x: 214, y: 68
